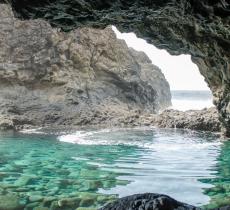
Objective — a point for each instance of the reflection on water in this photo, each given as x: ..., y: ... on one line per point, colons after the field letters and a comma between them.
x: 91, y: 168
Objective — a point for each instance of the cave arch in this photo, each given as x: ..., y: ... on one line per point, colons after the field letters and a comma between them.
x: 198, y: 28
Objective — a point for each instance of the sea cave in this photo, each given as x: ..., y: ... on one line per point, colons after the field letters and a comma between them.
x: 85, y: 120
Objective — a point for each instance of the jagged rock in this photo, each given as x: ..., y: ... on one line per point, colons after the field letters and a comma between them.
x: 151, y: 201
x: 201, y: 120
x: 204, y: 120
x: 148, y: 201
x: 199, y: 28
x: 48, y: 77
x: 6, y: 123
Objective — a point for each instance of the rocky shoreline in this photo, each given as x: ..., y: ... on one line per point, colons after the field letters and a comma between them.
x: 199, y: 120
x: 86, y: 76
x: 203, y: 120
x: 198, y: 28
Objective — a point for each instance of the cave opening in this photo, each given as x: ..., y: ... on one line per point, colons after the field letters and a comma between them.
x: 73, y: 64
x: 199, y: 28
x: 188, y: 87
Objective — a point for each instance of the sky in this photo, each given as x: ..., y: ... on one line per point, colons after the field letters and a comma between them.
x: 180, y: 71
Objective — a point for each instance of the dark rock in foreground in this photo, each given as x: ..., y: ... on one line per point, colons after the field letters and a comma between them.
x: 150, y: 201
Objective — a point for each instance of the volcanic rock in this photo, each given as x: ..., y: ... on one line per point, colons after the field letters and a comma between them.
x: 148, y: 201
x: 195, y: 27
x: 151, y: 201
x: 48, y: 77
x: 204, y: 120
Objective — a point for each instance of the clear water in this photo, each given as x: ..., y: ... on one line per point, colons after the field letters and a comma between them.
x: 91, y: 168
x: 184, y: 100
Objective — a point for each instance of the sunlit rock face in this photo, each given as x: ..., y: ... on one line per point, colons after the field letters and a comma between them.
x: 199, y: 28
x: 85, y: 76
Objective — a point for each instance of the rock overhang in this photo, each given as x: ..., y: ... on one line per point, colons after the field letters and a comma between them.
x: 198, y: 28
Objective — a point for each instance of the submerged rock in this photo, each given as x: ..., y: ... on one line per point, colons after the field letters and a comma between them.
x: 41, y: 208
x: 48, y: 77
x: 10, y: 202
x: 69, y: 202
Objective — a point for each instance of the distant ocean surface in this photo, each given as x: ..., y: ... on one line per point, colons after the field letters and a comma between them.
x: 191, y: 99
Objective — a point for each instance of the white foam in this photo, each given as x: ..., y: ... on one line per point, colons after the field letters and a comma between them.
x: 90, y: 138
x: 32, y: 131
x: 79, y: 137
x: 84, y: 138
x: 180, y: 146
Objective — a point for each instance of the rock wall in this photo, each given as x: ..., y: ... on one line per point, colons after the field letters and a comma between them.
x: 199, y: 28
x: 48, y: 77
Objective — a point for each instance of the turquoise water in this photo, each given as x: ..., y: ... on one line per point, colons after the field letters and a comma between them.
x: 91, y: 168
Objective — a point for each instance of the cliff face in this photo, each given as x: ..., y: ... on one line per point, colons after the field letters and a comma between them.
x: 48, y: 77
x: 199, y: 28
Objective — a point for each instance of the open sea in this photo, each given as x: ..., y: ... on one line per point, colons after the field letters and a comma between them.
x: 191, y: 99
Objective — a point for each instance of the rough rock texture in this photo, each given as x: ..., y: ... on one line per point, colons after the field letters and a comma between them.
x: 48, y: 77
x: 201, y: 120
x: 150, y: 201
x: 204, y: 120
x: 199, y: 28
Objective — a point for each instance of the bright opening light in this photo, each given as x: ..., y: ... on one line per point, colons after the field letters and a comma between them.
x: 180, y: 71
x: 189, y: 90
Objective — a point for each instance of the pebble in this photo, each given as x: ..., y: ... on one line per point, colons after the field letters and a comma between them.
x: 35, y: 198
x: 10, y: 202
